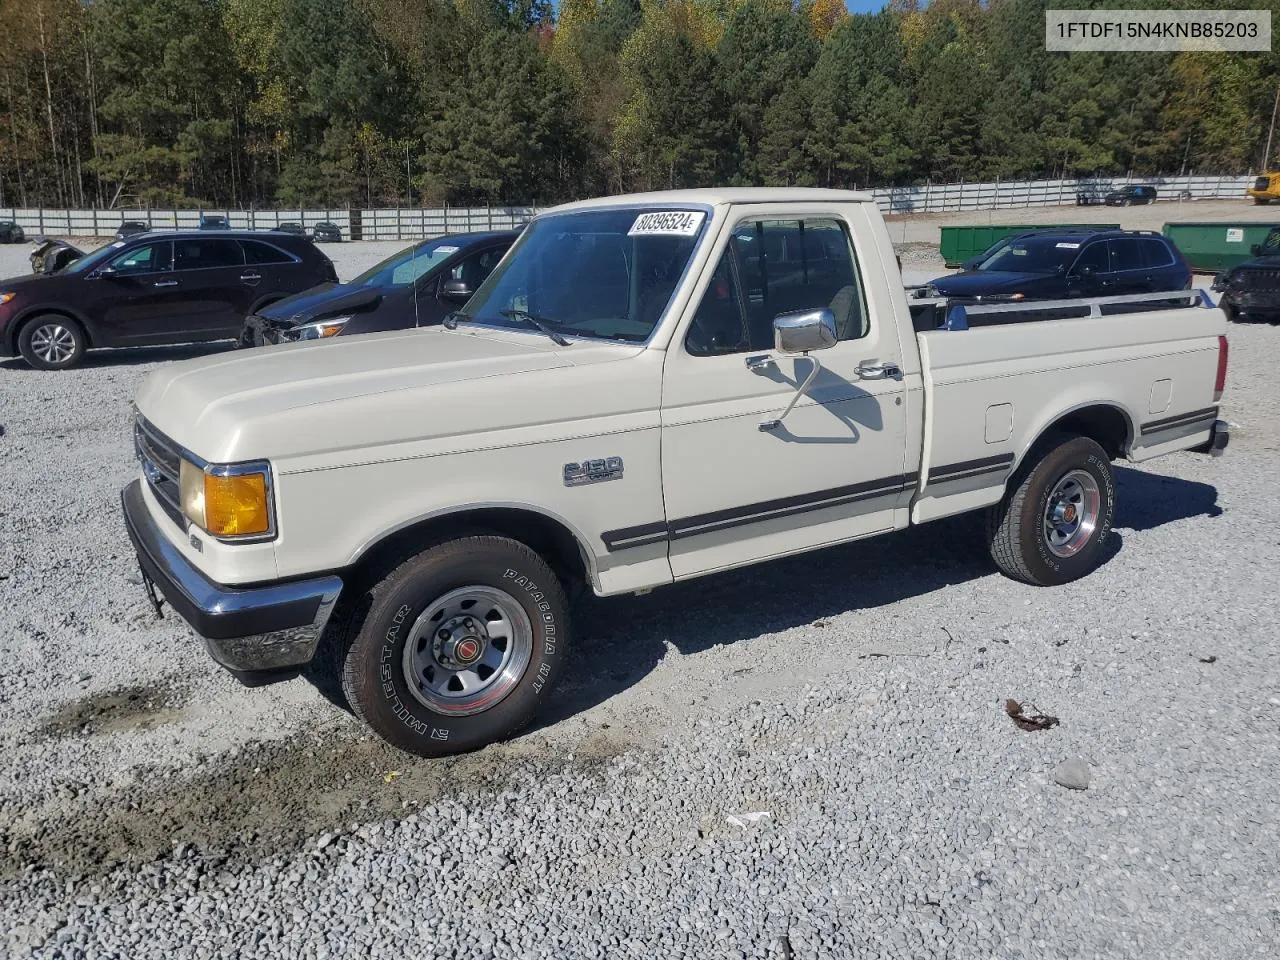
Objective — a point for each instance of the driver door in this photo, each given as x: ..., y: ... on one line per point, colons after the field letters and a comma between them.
x: 835, y: 467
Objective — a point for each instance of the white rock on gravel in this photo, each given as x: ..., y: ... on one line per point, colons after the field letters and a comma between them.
x: 1074, y: 774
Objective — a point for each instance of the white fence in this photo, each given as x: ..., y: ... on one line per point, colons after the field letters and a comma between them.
x: 960, y: 197
x: 403, y: 224
x: 413, y: 223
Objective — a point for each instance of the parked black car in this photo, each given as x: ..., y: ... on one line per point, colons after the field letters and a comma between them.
x: 210, y: 221
x: 10, y: 232
x: 1053, y: 264
x: 1251, y: 290
x: 1127, y: 196
x: 293, y: 227
x: 414, y: 288
x: 131, y: 228
x: 151, y: 289
x: 326, y: 232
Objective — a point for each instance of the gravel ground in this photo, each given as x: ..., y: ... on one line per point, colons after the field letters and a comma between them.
x: 151, y: 807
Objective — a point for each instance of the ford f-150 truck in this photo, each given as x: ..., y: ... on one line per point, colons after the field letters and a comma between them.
x: 646, y: 389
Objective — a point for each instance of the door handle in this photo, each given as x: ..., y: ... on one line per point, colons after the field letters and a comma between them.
x: 250, y: 277
x: 871, y: 370
x: 165, y: 283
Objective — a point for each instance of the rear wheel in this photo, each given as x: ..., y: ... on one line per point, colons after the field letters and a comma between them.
x: 52, y: 342
x: 1050, y: 527
x: 460, y: 647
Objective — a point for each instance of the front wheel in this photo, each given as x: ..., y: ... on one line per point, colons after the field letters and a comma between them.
x: 52, y: 342
x: 1051, y: 526
x: 461, y: 647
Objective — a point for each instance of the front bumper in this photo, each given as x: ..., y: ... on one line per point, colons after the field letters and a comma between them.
x: 257, y: 633
x: 1251, y: 301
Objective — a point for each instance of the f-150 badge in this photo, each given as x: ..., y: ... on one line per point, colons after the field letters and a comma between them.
x: 592, y: 471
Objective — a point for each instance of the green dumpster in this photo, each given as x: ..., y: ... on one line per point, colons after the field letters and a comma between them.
x: 1210, y: 247
x: 961, y: 243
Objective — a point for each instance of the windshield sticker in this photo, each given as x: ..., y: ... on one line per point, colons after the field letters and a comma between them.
x: 677, y: 223
x: 446, y: 250
x: 1067, y: 246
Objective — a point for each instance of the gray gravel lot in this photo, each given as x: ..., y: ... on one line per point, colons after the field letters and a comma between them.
x: 151, y: 807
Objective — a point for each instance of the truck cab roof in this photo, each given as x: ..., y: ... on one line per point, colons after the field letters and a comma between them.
x: 721, y: 196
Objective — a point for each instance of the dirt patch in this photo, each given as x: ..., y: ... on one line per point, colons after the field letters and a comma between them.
x: 116, y: 711
x: 271, y: 798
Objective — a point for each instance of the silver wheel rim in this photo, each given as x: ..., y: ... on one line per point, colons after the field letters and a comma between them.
x: 467, y: 650
x: 1071, y: 515
x: 53, y: 343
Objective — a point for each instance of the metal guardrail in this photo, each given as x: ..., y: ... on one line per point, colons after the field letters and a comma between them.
x: 380, y: 224
x: 414, y: 223
x: 997, y: 195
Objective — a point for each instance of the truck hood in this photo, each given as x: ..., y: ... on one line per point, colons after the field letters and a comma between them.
x: 305, y: 398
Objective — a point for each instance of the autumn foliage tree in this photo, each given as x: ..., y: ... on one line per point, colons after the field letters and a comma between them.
x: 378, y: 102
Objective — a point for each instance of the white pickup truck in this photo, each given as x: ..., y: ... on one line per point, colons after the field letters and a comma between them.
x: 646, y: 389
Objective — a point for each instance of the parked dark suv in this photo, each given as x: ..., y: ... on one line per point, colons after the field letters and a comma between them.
x: 1251, y: 290
x: 413, y: 288
x: 1127, y: 196
x: 151, y: 289
x: 1056, y: 264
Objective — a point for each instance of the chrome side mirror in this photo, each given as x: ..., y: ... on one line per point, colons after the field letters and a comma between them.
x: 804, y: 331
x: 800, y: 333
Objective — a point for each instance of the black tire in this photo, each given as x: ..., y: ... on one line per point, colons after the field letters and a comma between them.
x: 52, y: 342
x: 1261, y: 201
x: 376, y: 665
x: 1233, y: 314
x: 1017, y: 526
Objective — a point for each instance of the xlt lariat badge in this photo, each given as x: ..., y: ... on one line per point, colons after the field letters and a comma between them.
x: 592, y: 471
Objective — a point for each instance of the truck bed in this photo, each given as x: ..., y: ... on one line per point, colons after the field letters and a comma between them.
x: 997, y: 384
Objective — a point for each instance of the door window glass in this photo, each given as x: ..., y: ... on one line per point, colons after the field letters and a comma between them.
x: 783, y: 266
x: 475, y: 268
x: 258, y: 252
x: 1155, y: 254
x: 719, y: 325
x: 1125, y: 255
x: 148, y: 258
x: 1095, y: 256
x: 201, y: 254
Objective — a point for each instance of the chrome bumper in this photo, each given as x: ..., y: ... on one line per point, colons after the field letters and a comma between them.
x: 1219, y: 437
x: 257, y: 633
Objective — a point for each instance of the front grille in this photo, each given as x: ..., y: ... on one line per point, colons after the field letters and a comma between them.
x: 1257, y: 279
x: 160, y: 465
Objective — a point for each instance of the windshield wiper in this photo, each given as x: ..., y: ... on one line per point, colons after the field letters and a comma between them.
x: 539, y: 322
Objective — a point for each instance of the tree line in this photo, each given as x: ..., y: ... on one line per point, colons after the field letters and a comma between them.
x: 129, y: 103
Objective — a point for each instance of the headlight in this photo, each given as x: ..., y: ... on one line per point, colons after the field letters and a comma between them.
x: 5, y: 297
x: 318, y: 330
x: 227, y: 501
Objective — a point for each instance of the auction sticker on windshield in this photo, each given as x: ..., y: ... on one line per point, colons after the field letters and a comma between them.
x: 678, y: 223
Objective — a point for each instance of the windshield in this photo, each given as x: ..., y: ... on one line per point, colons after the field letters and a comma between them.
x: 91, y: 260
x: 593, y: 273
x: 403, y: 268
x: 1033, y: 255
